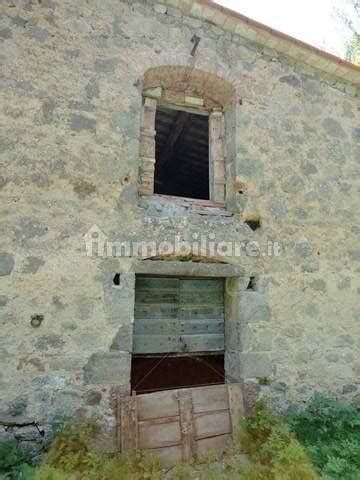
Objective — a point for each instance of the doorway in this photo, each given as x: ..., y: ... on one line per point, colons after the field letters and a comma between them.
x: 178, y: 337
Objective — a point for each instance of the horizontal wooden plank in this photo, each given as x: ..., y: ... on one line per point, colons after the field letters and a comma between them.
x: 184, y: 300
x: 157, y: 405
x: 168, y: 456
x: 177, y: 343
x: 201, y: 298
x: 157, y: 283
x: 207, y: 399
x: 160, y: 297
x: 174, y: 327
x: 159, y: 421
x: 157, y: 311
x: 212, y: 445
x: 212, y: 424
x: 154, y: 435
x: 201, y: 285
x: 199, y: 311
x: 185, y: 312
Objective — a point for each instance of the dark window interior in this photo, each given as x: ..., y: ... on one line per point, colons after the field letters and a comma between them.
x: 182, y: 154
x: 151, y: 374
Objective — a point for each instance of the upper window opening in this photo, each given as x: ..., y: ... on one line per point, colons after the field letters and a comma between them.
x: 181, y: 153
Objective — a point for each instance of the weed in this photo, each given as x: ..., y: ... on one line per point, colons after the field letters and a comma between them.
x: 273, y: 449
x: 330, y: 431
x: 15, y: 462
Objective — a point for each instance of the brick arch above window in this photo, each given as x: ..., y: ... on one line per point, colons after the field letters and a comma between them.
x: 189, y: 89
x: 178, y: 82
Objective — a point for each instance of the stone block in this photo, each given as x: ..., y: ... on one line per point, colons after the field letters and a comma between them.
x: 6, y: 264
x: 106, y: 65
x: 251, y: 392
x: 232, y: 366
x: 108, y: 368
x: 123, y: 339
x: 196, y: 101
x: 147, y: 146
x: 255, y: 365
x: 80, y: 122
x: 253, y: 308
x: 333, y: 128
x: 153, y: 92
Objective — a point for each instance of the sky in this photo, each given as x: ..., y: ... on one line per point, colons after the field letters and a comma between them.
x: 312, y: 21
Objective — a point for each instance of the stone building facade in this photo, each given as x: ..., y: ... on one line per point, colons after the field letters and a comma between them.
x: 80, y: 86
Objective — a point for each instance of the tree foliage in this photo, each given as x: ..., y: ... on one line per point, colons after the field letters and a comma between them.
x: 349, y: 14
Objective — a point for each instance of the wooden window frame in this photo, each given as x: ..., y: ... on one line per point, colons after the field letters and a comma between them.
x: 217, y: 158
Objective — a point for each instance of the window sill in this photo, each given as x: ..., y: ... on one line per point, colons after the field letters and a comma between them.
x: 194, y: 205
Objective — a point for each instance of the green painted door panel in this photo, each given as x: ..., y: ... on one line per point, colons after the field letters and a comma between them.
x: 178, y: 315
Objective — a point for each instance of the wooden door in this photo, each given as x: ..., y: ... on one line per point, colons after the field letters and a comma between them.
x: 178, y: 315
x: 177, y: 425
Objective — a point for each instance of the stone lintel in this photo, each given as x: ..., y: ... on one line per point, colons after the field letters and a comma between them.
x: 159, y: 267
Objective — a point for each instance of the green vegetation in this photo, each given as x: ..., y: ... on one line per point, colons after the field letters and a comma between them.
x: 273, y: 449
x: 330, y: 432
x: 15, y: 462
x: 353, y: 49
x: 322, y: 442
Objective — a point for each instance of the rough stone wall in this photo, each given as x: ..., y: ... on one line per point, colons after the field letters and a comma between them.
x: 71, y: 103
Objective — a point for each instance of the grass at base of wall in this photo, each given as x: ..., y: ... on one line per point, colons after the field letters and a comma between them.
x: 321, y: 442
x: 330, y: 432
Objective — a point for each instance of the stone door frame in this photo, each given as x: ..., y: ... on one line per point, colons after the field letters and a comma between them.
x: 248, y: 338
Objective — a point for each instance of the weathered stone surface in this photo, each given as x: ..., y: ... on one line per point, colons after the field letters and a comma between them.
x: 126, y: 123
x: 93, y: 397
x: 356, y: 134
x: 333, y: 128
x: 106, y: 65
x: 255, y: 365
x: 3, y: 300
x: 160, y: 8
x: 80, y: 122
x: 253, y: 308
x: 279, y: 386
x: 18, y: 406
x: 107, y: 368
x: 290, y: 80
x: 37, y: 33
x: 92, y: 88
x: 250, y: 395
x: 3, y: 181
x: 292, y: 184
x: 332, y: 357
x: 72, y: 110
x: 6, y: 33
x: 344, y: 283
x: 343, y: 341
x: 311, y: 310
x: 318, y: 285
x: 123, y: 339
x: 28, y: 434
x: 308, y: 168
x: 49, y: 342
x: 33, y: 264
x: 349, y: 388
x: 48, y: 110
x: 277, y: 209
x: 27, y: 229
x: 84, y: 188
x: 303, y: 249
x: 7, y: 263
